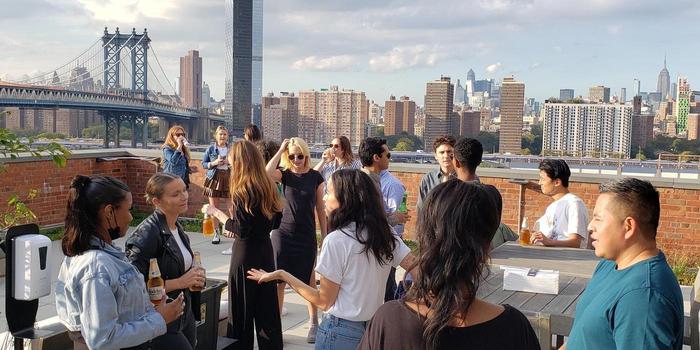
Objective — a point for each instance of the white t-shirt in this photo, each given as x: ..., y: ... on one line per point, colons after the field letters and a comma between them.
x: 362, y: 280
x: 565, y: 216
x: 183, y: 250
x: 223, y: 151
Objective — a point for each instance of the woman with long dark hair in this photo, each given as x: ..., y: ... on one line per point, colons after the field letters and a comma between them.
x: 161, y: 236
x: 100, y: 297
x: 257, y: 211
x: 355, y: 261
x: 441, y: 310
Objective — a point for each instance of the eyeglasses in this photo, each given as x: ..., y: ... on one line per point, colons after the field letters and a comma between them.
x: 298, y: 156
x: 334, y: 146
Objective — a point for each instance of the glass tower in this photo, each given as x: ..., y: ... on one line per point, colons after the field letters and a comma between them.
x: 256, y: 92
x: 239, y: 52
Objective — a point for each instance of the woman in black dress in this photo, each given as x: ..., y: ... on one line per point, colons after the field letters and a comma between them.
x: 295, y: 240
x: 257, y: 211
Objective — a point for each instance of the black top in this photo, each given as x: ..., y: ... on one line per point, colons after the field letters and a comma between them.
x: 396, y: 326
x: 252, y: 226
x: 298, y: 221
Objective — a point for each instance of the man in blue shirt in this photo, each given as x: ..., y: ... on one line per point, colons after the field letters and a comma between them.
x: 375, y: 156
x: 633, y: 300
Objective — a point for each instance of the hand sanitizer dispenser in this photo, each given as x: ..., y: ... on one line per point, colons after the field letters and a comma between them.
x: 32, y: 272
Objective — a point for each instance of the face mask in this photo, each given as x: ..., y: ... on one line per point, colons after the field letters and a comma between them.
x: 115, y: 232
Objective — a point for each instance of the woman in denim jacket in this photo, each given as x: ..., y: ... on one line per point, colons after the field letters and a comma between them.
x: 100, y: 297
x: 176, y: 155
x: 216, y: 182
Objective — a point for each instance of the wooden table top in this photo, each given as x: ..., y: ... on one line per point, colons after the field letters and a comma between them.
x: 570, y: 261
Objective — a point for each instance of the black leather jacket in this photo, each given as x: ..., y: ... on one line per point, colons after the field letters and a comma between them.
x: 153, y: 239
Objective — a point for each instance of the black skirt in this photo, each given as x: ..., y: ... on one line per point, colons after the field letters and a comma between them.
x: 218, y: 185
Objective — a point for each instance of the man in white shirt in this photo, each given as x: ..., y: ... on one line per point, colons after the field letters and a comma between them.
x: 565, y: 221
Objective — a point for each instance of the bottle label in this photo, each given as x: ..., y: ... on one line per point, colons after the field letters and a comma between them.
x: 156, y: 293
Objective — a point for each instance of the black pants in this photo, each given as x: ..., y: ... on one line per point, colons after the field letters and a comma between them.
x: 251, y: 302
x: 185, y: 339
x: 390, y: 293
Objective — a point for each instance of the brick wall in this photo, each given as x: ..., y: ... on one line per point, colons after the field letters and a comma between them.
x: 679, y: 229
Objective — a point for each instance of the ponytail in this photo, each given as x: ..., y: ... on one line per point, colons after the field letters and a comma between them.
x: 86, y: 197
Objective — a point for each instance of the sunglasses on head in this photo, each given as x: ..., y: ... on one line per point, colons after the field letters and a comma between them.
x: 334, y: 146
x: 298, y: 156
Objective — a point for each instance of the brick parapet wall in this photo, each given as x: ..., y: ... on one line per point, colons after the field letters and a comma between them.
x: 679, y: 228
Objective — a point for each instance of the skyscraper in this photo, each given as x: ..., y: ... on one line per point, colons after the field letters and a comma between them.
x: 682, y: 105
x: 280, y: 116
x: 191, y: 79
x: 257, y: 61
x: 239, y: 52
x: 599, y: 94
x: 469, y: 85
x: 623, y: 95
x: 409, y: 115
x: 206, y: 95
x: 592, y: 129
x: 636, y: 87
x: 393, y: 116
x: 470, y: 75
x: 332, y: 112
x: 663, y: 85
x: 512, y: 102
x: 439, y: 117
x: 459, y: 93
x: 566, y: 94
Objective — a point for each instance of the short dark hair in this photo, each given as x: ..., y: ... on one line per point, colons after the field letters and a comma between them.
x: 86, y: 197
x: 368, y: 148
x: 252, y: 133
x: 556, y: 169
x: 468, y: 152
x: 444, y: 140
x: 639, y: 199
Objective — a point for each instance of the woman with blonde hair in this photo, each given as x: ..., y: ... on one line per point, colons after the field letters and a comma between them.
x: 256, y: 211
x: 176, y: 154
x: 295, y: 240
x: 216, y: 181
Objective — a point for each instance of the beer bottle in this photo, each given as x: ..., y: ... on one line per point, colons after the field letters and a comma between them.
x: 403, y: 208
x: 155, y: 285
x: 197, y: 263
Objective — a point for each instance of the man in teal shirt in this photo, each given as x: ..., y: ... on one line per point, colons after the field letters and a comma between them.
x: 633, y: 300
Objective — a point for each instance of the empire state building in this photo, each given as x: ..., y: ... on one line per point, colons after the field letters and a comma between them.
x: 663, y: 86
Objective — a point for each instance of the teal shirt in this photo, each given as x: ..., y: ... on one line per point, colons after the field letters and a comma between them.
x: 640, y: 307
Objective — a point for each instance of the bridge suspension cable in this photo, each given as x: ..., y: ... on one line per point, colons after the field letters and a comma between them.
x: 29, y: 80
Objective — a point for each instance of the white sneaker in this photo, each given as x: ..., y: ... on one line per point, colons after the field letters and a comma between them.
x: 228, y: 251
x: 284, y: 311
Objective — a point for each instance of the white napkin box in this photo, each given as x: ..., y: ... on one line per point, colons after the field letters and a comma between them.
x: 523, y: 279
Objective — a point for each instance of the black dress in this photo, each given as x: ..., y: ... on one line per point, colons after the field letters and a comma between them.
x: 295, y: 240
x: 248, y: 300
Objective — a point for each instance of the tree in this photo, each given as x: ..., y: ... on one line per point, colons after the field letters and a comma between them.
x: 12, y: 147
x: 402, y: 146
x: 489, y: 141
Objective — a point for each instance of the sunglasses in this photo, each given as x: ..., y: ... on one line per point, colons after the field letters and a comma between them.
x: 334, y: 146
x: 298, y: 156
x: 180, y: 134
x: 388, y: 156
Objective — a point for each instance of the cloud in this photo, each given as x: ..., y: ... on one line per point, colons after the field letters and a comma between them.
x: 332, y: 63
x: 534, y: 66
x: 614, y: 29
x: 492, y: 68
x: 128, y: 10
x: 405, y: 57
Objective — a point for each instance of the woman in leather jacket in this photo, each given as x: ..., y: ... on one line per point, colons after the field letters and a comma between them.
x: 160, y: 236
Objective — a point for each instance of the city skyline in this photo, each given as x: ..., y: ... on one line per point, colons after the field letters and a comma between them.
x: 358, y: 47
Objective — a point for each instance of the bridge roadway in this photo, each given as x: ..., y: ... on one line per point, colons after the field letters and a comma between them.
x: 13, y: 95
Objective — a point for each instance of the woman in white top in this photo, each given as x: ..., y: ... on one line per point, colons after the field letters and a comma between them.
x: 354, y: 263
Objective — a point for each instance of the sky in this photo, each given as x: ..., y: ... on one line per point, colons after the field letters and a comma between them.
x: 383, y: 47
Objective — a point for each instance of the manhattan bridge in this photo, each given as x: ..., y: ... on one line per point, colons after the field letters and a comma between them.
x: 121, y: 78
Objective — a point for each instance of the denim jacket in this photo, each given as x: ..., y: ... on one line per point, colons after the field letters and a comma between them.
x: 210, y: 155
x: 175, y: 162
x: 102, y: 295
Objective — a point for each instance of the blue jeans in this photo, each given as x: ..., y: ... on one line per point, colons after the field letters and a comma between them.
x: 339, y: 334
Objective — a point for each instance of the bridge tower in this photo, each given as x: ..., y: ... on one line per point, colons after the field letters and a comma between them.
x: 137, y: 44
